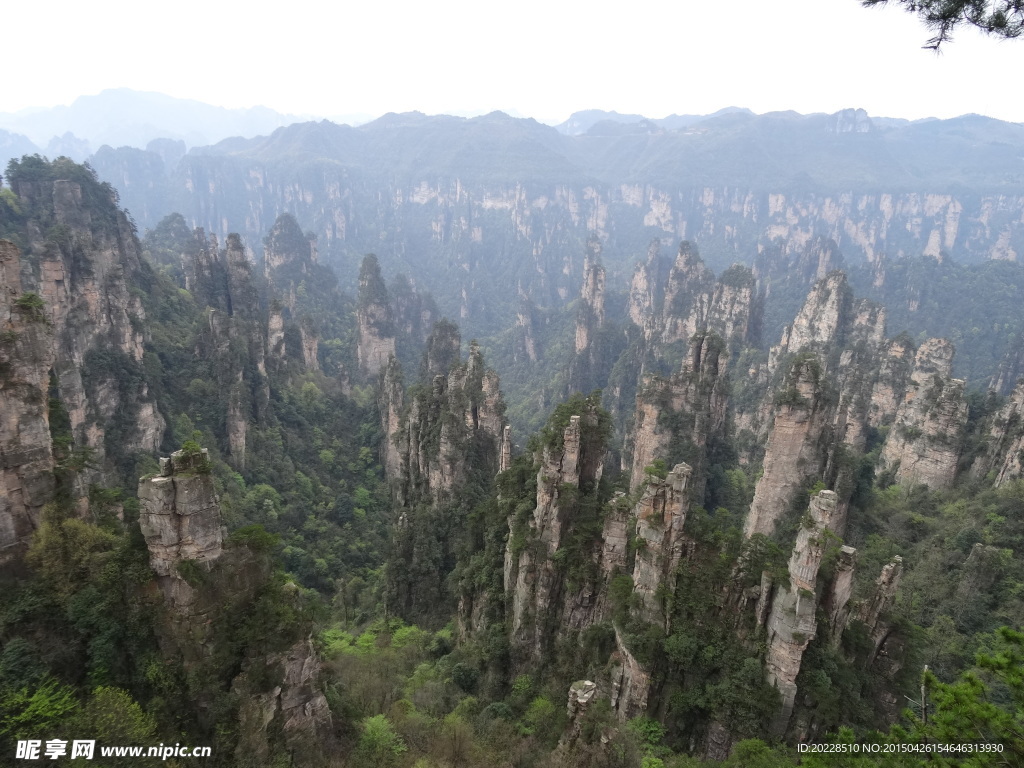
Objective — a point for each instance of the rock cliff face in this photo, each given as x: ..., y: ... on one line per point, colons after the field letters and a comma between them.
x: 821, y: 322
x: 235, y: 338
x: 590, y: 316
x: 687, y: 296
x: 924, y: 443
x: 671, y: 305
x: 681, y: 416
x: 1005, y: 447
x: 70, y: 313
x: 588, y: 367
x: 180, y: 519
x: 391, y: 403
x: 26, y: 359
x: 275, y: 332
x: 660, y: 516
x: 837, y: 601
x: 527, y: 345
x: 442, y: 441
x: 871, y: 612
x: 199, y: 576
x: 456, y: 213
x: 288, y: 255
x: 376, y: 340
x: 435, y: 430
x: 85, y: 278
x: 795, y: 454
x: 567, y: 469
x: 630, y: 682
x: 792, y: 621
x: 296, y: 705
x: 835, y: 377
x: 533, y: 579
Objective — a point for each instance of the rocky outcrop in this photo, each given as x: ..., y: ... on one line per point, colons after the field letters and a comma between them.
x: 792, y: 622
x: 531, y: 579
x: 288, y: 253
x: 414, y: 312
x: 568, y: 467
x: 660, y: 516
x: 896, y: 363
x: 200, y: 576
x: 27, y: 355
x: 640, y: 307
x: 588, y: 366
x: 443, y: 442
x: 693, y: 301
x: 443, y: 350
x: 527, y: 345
x: 821, y: 322
x: 630, y: 682
x: 85, y: 266
x: 687, y: 296
x: 179, y: 514
x: 375, y: 323
x: 235, y: 336
x: 390, y: 403
x: 924, y: 443
x: 505, y: 451
x: 438, y: 426
x: 275, y: 332
x: 295, y: 706
x: 836, y: 604
x: 590, y: 314
x: 310, y: 345
x: 684, y: 414
x: 1003, y: 456
x: 871, y: 611
x: 581, y: 694
x: 794, y: 455
x: 70, y: 314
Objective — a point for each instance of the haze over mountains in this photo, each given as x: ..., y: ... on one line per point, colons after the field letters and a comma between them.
x: 125, y: 117
x: 321, y: 437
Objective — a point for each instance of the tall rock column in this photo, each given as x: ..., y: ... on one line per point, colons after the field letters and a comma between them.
x: 376, y: 326
x: 792, y: 622
x: 925, y: 441
x: 26, y: 357
x: 1005, y: 446
x: 688, y: 296
x: 538, y: 603
x: 682, y: 414
x: 180, y: 520
x: 660, y: 516
x: 794, y: 454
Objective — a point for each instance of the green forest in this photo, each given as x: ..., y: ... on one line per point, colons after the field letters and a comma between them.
x: 304, y: 526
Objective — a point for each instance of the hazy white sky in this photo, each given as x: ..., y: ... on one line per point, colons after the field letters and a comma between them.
x: 538, y: 58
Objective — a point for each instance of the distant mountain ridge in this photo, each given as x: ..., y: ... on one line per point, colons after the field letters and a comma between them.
x: 581, y: 122
x: 125, y: 117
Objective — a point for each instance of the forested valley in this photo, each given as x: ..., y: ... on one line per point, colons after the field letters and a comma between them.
x: 343, y: 465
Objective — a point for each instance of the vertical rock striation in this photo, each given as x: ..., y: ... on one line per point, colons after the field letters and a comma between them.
x: 1003, y: 456
x: 26, y: 358
x: 924, y: 443
x: 680, y: 417
x: 792, y: 622
x: 660, y: 516
x: 180, y: 519
x: 794, y: 454
x: 375, y: 322
x: 444, y: 443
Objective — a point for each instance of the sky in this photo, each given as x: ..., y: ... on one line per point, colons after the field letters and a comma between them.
x: 533, y: 58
